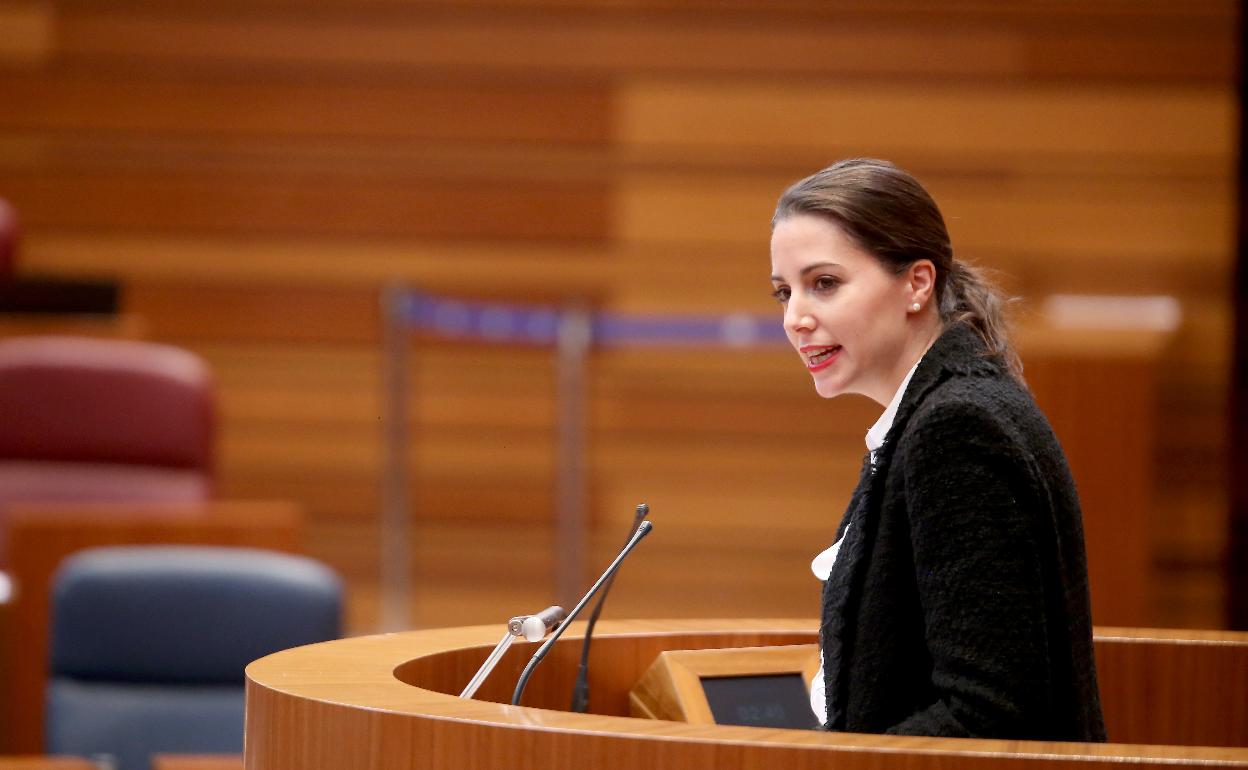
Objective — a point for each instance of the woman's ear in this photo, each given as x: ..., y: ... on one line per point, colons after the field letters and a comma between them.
x: 921, y: 277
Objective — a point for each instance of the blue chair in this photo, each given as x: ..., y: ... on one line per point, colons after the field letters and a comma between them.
x: 149, y: 644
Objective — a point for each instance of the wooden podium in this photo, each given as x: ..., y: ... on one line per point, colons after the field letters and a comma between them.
x: 389, y: 702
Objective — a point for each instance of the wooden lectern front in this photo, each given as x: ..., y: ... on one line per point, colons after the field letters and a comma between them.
x: 389, y: 702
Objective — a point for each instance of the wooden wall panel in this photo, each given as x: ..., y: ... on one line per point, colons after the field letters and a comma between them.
x: 254, y: 172
x: 969, y: 120
x: 1107, y: 222
x: 239, y: 104
x: 28, y: 25
x: 609, y: 42
x: 582, y: 43
x: 317, y: 314
x: 1109, y: 450
x: 265, y: 205
x: 322, y: 267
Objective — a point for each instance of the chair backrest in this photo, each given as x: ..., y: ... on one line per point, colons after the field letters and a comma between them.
x: 102, y: 420
x: 149, y: 644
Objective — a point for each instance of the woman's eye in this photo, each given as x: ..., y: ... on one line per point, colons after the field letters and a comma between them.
x: 782, y: 294
x: 826, y: 283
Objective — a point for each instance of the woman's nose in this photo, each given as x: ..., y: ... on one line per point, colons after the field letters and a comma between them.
x: 796, y: 316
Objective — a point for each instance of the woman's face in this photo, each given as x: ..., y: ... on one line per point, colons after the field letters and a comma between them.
x: 846, y: 315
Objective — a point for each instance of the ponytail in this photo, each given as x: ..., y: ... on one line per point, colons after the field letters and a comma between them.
x: 971, y: 298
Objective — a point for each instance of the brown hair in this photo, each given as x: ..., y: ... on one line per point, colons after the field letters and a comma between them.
x: 889, y: 214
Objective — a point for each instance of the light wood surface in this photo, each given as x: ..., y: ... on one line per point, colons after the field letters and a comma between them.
x: 386, y: 702
x: 1174, y: 686
x: 42, y: 535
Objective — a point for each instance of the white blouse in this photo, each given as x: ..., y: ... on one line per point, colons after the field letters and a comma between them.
x: 822, y: 564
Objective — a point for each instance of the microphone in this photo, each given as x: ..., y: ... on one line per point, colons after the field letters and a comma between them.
x: 531, y: 627
x: 534, y: 627
x: 580, y: 689
x: 642, y: 530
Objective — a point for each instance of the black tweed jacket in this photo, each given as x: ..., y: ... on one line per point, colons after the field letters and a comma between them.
x: 958, y: 604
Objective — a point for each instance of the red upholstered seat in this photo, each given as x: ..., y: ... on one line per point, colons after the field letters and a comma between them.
x: 97, y: 420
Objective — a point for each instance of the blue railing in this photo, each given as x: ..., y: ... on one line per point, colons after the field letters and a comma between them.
x: 535, y: 325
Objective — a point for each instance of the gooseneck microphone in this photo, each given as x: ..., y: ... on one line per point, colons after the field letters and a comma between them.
x: 580, y: 689
x: 642, y: 530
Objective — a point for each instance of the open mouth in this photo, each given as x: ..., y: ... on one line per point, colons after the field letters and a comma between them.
x: 818, y: 358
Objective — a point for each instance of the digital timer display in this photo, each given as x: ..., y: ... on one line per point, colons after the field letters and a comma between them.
x: 760, y: 701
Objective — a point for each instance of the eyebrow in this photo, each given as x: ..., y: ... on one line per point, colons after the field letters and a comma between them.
x: 808, y: 269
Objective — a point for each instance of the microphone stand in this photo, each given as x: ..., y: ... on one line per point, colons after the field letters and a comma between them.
x: 580, y: 690
x: 509, y: 636
x: 642, y: 531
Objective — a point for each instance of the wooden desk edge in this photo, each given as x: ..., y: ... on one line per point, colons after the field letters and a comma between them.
x: 358, y: 673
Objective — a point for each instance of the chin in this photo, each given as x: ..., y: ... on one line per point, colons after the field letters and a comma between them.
x: 829, y: 389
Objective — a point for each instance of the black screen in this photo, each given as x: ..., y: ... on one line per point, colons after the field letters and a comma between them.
x: 778, y: 700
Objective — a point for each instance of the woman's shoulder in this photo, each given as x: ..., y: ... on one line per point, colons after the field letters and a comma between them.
x: 994, y: 411
x: 962, y: 405
x: 959, y: 394
x: 993, y: 394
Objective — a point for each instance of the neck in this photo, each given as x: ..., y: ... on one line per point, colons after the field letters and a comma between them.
x: 925, y: 333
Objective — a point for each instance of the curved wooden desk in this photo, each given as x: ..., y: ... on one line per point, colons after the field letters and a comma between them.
x: 385, y: 702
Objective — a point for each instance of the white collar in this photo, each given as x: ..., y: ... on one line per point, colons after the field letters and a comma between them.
x: 877, y: 432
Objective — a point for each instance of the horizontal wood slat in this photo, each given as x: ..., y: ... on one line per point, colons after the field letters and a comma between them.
x: 540, y: 271
x: 1031, y: 12
x: 1097, y: 219
x: 28, y: 26
x: 332, y: 207
x: 594, y: 43
x: 774, y: 115
x: 240, y: 104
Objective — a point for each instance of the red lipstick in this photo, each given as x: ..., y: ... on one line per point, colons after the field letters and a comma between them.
x: 819, y: 357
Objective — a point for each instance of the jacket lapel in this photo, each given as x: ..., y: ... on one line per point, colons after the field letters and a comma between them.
x: 837, y: 594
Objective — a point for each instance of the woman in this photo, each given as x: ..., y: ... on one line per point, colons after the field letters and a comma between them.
x: 955, y: 597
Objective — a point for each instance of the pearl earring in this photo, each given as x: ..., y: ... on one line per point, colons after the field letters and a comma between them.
x: 915, y: 307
